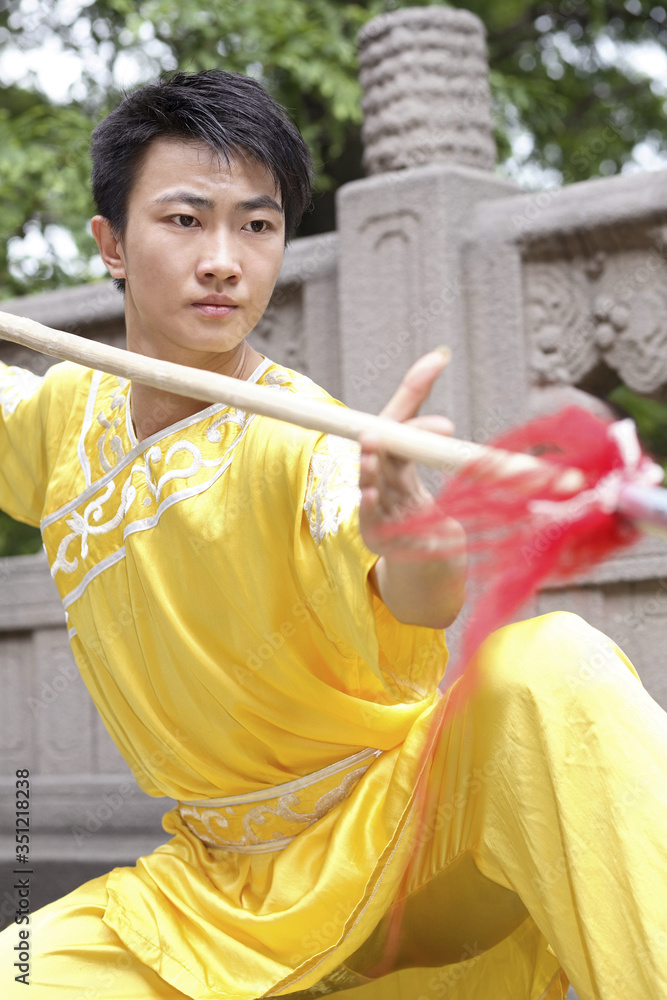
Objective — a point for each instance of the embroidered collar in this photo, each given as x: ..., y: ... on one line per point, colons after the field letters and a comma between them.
x: 202, y: 414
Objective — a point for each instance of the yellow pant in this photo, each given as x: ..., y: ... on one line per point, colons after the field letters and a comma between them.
x: 544, y: 835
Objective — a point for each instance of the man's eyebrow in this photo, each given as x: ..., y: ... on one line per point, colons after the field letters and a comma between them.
x: 197, y: 201
x: 261, y: 201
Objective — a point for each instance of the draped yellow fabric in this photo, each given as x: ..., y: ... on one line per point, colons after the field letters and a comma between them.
x: 219, y: 611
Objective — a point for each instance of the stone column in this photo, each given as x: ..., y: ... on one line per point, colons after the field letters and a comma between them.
x: 429, y: 150
x: 425, y: 76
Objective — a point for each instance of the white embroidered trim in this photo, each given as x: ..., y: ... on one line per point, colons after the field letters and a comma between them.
x: 75, y: 594
x: 285, y: 803
x: 108, y: 435
x: 82, y: 528
x: 136, y: 452
x: 283, y: 807
x: 332, y: 492
x: 279, y: 800
x: 277, y: 380
x: 138, y: 448
x: 87, y: 524
x: 17, y: 384
x: 188, y: 421
x: 288, y: 787
x: 84, y: 461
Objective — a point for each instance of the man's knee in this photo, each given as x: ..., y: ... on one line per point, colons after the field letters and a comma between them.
x: 554, y: 653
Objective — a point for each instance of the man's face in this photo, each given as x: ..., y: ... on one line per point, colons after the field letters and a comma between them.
x: 200, y: 254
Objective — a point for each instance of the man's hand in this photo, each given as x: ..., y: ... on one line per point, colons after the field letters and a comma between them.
x: 420, y: 580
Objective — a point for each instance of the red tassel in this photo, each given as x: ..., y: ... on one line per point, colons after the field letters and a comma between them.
x: 522, y: 531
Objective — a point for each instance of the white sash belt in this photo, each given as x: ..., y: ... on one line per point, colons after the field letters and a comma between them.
x: 270, y: 819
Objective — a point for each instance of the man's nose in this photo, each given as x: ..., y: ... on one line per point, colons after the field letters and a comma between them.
x: 220, y: 257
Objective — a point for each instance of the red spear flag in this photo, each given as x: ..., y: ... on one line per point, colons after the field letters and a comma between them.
x: 523, y: 530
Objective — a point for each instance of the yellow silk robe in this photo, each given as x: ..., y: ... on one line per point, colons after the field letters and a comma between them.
x: 218, y: 606
x: 219, y: 609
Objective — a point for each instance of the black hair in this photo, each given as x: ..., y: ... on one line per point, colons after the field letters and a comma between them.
x: 231, y: 113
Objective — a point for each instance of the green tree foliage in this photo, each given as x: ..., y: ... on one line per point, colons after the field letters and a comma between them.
x: 43, y: 184
x: 650, y: 417
x: 563, y: 71
x: 17, y: 539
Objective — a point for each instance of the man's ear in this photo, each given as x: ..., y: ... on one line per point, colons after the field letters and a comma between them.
x: 110, y: 247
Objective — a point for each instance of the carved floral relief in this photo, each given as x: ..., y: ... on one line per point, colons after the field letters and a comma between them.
x: 608, y: 307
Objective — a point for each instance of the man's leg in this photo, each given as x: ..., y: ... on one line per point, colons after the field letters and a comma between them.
x: 548, y: 790
x: 75, y: 956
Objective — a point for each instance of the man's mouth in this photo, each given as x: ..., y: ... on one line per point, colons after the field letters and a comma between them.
x: 215, y: 305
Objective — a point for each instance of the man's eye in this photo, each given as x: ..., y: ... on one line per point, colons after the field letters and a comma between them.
x: 186, y: 221
x: 258, y: 226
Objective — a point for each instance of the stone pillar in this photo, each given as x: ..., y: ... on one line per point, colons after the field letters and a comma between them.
x: 430, y: 151
x: 425, y: 77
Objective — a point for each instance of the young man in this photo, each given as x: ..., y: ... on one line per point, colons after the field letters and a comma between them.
x: 279, y: 674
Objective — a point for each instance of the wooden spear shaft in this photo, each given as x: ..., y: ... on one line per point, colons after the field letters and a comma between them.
x: 449, y: 454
